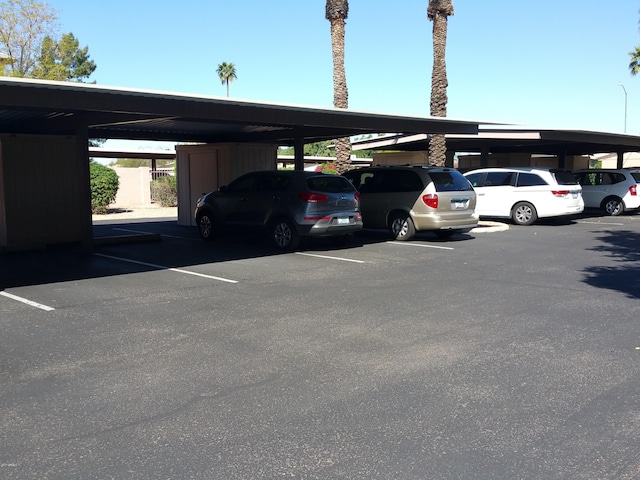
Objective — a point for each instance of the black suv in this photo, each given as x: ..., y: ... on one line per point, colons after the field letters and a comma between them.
x: 287, y: 204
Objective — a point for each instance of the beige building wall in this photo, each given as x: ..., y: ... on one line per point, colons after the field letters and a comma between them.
x: 135, y: 187
x: 205, y: 168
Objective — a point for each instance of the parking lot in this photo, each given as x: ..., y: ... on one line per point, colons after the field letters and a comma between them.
x: 509, y: 354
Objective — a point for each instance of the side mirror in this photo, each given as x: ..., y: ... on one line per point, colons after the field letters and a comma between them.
x: 223, y: 189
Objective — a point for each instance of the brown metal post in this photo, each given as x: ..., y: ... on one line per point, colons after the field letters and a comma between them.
x: 298, y: 152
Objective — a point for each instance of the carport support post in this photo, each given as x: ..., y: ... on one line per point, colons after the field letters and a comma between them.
x: 562, y: 159
x: 84, y: 181
x: 620, y: 161
x: 298, y: 152
x: 484, y: 157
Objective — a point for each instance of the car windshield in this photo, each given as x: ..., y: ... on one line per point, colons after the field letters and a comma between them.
x: 564, y: 177
x: 330, y: 184
x: 450, y: 181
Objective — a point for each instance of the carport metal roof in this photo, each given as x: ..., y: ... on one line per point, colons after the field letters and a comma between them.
x: 61, y: 108
x: 514, y: 140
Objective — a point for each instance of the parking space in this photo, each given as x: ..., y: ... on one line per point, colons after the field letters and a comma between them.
x: 175, y: 254
x: 488, y: 355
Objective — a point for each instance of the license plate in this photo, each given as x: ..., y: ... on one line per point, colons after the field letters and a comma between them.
x: 574, y: 194
x: 457, y: 205
x: 343, y: 220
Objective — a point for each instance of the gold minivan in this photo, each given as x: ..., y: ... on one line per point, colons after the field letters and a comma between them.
x: 408, y: 199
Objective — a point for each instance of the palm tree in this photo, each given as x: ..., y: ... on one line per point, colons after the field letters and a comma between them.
x: 437, y: 12
x: 634, y: 65
x: 337, y: 12
x: 227, y: 73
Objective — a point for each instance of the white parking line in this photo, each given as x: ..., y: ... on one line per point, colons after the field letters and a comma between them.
x: 28, y: 302
x: 330, y: 258
x: 600, y: 223
x: 420, y: 245
x: 164, y: 267
x: 151, y: 233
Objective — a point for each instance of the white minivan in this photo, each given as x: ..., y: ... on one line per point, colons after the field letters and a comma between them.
x: 525, y: 194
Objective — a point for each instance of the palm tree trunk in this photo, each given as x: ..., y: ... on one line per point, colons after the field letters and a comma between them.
x: 336, y: 14
x: 438, y: 12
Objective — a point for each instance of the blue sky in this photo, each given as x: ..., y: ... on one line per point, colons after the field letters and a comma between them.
x: 543, y: 63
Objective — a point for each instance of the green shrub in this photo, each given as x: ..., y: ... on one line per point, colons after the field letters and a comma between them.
x: 104, y: 187
x: 164, y: 190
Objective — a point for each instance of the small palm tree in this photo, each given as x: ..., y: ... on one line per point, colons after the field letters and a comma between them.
x: 437, y: 12
x: 227, y: 73
x: 337, y: 12
x: 634, y: 65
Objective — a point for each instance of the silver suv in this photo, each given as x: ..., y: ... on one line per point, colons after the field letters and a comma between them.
x: 287, y: 204
x: 409, y: 199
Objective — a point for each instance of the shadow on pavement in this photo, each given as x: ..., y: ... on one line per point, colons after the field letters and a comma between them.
x: 161, y: 244
x: 624, y: 275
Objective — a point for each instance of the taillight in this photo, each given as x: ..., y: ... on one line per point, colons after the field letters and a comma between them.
x: 633, y: 190
x: 357, y: 196
x: 560, y: 193
x: 430, y: 200
x: 311, y: 197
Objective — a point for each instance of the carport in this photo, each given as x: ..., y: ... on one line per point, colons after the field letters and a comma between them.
x: 518, y: 142
x: 45, y: 128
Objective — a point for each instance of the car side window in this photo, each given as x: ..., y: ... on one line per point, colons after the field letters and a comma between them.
x: 273, y: 183
x: 586, y: 178
x: 529, y: 180
x: 246, y: 183
x: 495, y: 179
x: 402, y: 181
x: 617, y: 177
x: 604, y: 179
x: 475, y: 179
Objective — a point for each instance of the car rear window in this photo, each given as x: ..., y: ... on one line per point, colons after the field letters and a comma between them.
x: 330, y: 184
x: 452, y: 181
x: 636, y: 176
x: 564, y: 177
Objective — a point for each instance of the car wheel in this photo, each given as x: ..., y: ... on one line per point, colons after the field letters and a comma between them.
x: 612, y: 206
x: 523, y: 213
x: 402, y: 227
x: 284, y: 234
x: 205, y: 225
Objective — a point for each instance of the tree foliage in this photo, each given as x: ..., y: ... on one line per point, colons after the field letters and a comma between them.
x: 64, y: 60
x: 164, y: 190
x: 29, y: 37
x: 227, y: 73
x: 141, y: 162
x: 634, y: 64
x: 24, y: 24
x: 104, y: 187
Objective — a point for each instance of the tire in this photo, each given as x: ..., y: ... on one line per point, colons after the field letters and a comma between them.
x: 402, y: 227
x: 205, y: 225
x: 284, y: 235
x: 612, y: 206
x: 523, y: 213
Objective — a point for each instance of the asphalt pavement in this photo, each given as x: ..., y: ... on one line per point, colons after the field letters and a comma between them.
x: 494, y: 355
